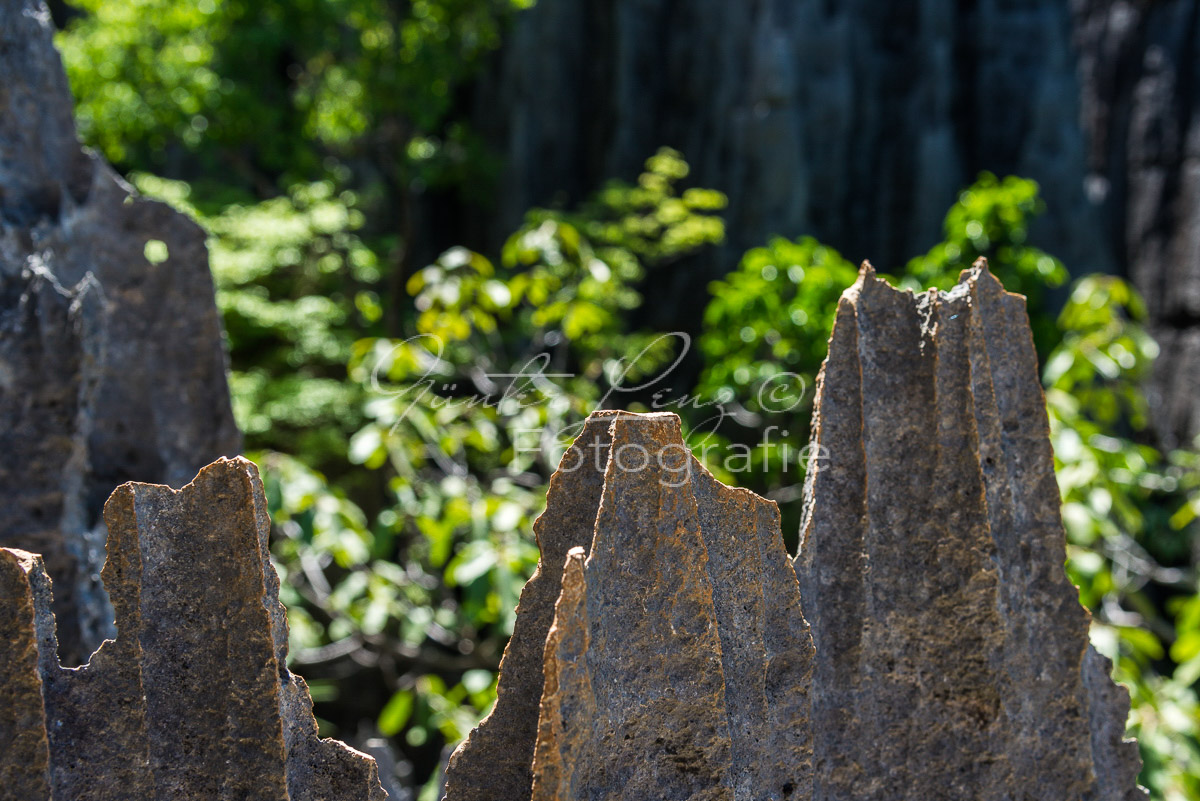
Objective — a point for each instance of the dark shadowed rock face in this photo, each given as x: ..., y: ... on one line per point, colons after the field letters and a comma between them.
x: 952, y: 657
x: 858, y: 122
x: 1140, y: 87
x: 673, y: 660
x: 111, y: 367
x: 192, y: 700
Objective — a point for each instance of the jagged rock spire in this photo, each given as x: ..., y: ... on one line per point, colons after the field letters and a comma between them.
x: 676, y: 660
x: 952, y: 655
x: 193, y: 699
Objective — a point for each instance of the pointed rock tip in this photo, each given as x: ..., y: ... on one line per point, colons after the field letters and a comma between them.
x: 234, y: 464
x: 978, y: 269
x: 621, y: 414
x: 658, y: 433
x: 980, y: 274
x: 866, y: 277
x: 23, y: 563
x: 222, y: 464
x: 865, y: 271
x: 24, y: 559
x: 602, y: 414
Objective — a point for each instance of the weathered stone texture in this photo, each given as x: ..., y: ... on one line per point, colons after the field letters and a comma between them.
x: 952, y: 657
x: 192, y: 700
x: 658, y: 725
x: 111, y: 368
x: 676, y: 660
x: 24, y: 752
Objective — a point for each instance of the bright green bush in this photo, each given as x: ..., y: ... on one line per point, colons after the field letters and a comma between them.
x: 766, y: 332
x: 272, y: 92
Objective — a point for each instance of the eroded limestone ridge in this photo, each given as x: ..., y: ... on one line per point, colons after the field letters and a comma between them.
x: 192, y: 700
x: 669, y: 660
x: 111, y: 366
x: 952, y: 656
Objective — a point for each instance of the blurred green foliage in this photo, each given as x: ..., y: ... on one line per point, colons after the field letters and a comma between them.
x: 268, y: 88
x: 407, y: 420
x: 465, y: 424
x: 294, y: 283
x: 766, y: 329
x: 1129, y: 546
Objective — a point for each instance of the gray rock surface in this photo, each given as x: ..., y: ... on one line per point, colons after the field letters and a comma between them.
x: 1139, y: 74
x: 857, y: 122
x: 111, y: 367
x: 676, y: 659
x: 952, y: 655
x: 951, y: 652
x: 192, y: 700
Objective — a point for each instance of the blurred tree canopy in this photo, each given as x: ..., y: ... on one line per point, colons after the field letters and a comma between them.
x: 407, y: 416
x: 273, y: 92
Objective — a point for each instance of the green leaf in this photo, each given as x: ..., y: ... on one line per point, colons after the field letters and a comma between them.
x: 395, y: 713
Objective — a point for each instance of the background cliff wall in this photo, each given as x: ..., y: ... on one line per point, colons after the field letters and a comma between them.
x: 858, y: 122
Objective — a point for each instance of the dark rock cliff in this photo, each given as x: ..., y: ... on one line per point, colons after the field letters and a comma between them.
x: 857, y: 122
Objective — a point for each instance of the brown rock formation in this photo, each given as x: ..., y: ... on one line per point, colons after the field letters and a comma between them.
x: 24, y: 753
x: 952, y: 657
x: 676, y: 661
x: 193, y: 699
x: 111, y: 367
